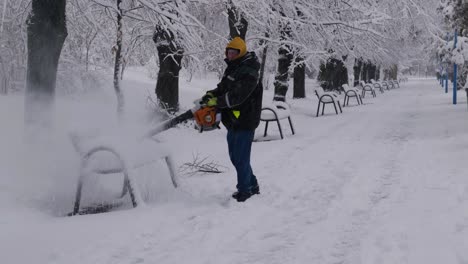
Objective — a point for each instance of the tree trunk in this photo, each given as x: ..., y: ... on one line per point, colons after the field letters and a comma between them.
x: 284, y: 62
x: 170, y: 57
x: 3, y: 82
x: 47, y: 31
x: 299, y: 79
x: 264, y: 57
x: 393, y: 73
x: 118, y: 62
x: 372, y: 69
x: 357, y: 71
x: 282, y: 75
x: 237, y: 23
x: 365, y: 71
x: 386, y: 73
x: 377, y: 73
x: 332, y: 75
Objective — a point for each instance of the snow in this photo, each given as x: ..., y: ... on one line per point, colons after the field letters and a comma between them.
x: 384, y: 182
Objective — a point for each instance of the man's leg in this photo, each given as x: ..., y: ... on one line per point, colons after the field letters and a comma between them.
x: 240, y: 145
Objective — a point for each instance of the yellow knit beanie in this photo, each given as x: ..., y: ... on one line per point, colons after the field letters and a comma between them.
x: 238, y: 44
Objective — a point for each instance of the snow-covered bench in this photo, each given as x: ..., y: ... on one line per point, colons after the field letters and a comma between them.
x: 327, y: 98
x: 366, y: 87
x: 112, y: 155
x: 276, y: 111
x: 403, y: 79
x: 377, y: 85
x: 351, y: 92
x: 385, y: 85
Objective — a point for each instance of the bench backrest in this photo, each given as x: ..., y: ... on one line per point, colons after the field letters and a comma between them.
x: 275, y: 109
x: 319, y: 91
x: 345, y: 87
x: 364, y: 85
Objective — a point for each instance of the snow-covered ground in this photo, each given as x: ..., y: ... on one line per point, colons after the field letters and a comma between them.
x: 385, y: 182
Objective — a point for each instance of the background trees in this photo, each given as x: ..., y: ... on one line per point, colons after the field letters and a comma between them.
x: 365, y: 38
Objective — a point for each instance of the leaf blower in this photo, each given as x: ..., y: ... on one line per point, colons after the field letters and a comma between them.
x: 206, y: 119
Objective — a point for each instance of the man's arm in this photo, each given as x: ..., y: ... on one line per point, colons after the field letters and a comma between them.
x: 218, y: 90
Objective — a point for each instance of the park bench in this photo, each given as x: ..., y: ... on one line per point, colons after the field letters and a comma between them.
x: 275, y: 112
x: 327, y: 98
x: 366, y: 87
x: 103, y: 157
x: 351, y: 92
x: 377, y: 85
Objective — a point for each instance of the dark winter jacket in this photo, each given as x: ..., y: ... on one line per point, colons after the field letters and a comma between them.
x: 239, y: 93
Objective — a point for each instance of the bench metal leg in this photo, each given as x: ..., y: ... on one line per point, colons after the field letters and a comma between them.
x: 172, y: 171
x: 323, y: 108
x: 318, y: 108
x: 128, y: 185
x: 279, y: 127
x: 334, y: 105
x: 76, y: 207
x: 131, y: 188
x: 291, y: 125
x: 266, y: 128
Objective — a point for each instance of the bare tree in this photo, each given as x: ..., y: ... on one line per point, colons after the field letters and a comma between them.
x: 237, y: 23
x: 170, y: 56
x: 299, y: 79
x: 284, y: 62
x: 118, y: 59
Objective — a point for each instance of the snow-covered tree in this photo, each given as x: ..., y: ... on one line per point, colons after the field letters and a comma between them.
x: 13, y: 44
x: 385, y: 34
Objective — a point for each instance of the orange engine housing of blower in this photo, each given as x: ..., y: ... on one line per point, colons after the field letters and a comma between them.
x: 207, y: 118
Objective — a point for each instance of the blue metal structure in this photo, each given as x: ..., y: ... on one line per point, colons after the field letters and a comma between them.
x: 455, y: 67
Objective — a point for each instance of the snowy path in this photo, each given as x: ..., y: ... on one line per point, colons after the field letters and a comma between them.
x: 382, y: 183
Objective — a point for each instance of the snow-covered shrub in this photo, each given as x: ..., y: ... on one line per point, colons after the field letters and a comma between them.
x: 449, y: 55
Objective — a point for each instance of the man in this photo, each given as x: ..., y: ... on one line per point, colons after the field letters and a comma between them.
x: 239, y: 98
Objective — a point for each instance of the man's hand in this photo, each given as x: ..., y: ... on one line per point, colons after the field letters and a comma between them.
x: 212, y: 101
x: 207, y: 97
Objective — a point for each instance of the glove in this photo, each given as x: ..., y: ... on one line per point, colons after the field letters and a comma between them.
x: 207, y: 97
x: 212, y: 101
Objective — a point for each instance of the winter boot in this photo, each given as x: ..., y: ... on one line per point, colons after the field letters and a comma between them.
x: 255, y: 190
x: 242, y: 196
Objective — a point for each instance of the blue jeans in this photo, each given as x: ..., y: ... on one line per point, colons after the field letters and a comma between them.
x: 240, y: 145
